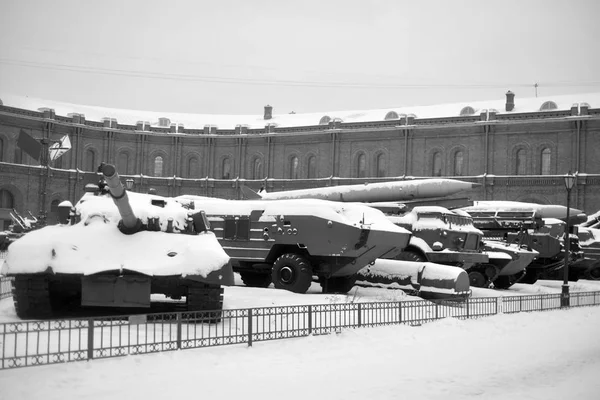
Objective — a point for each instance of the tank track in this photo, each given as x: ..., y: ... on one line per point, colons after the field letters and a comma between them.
x: 31, y: 295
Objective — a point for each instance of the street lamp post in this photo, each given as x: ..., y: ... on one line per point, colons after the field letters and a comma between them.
x: 129, y: 184
x: 565, y: 298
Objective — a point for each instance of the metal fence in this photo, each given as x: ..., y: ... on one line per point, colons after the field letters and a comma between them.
x: 30, y: 343
x: 5, y: 287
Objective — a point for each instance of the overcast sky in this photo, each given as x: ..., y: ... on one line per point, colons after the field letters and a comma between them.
x: 235, y: 56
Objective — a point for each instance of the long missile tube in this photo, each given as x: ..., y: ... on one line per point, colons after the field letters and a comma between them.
x: 130, y: 223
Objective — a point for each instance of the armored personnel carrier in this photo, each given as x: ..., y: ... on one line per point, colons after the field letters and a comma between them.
x: 289, y: 242
x: 115, y: 250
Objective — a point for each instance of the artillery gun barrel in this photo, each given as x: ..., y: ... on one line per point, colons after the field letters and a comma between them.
x: 130, y: 223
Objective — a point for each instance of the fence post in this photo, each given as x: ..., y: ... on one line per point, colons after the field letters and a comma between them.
x: 90, y: 349
x: 178, y: 331
x: 541, y: 302
x: 249, y: 327
x: 399, y: 312
x: 520, y: 303
x: 310, y: 320
x: 436, y: 310
x: 359, y: 315
x: 468, y: 311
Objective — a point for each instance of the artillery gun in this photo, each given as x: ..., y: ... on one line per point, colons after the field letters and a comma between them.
x: 113, y: 252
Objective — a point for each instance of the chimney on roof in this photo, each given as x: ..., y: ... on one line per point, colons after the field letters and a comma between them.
x: 268, y: 112
x: 510, y: 101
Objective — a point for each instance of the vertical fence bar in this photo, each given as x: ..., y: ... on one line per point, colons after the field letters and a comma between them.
x: 468, y: 310
x: 359, y: 315
x: 310, y: 321
x: 90, y: 351
x: 178, y: 331
x: 249, y: 327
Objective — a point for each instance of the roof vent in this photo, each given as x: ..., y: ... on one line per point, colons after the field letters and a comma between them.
x: 324, y: 120
x: 548, y: 105
x: 268, y: 112
x: 391, y: 115
x: 468, y: 110
x: 510, y: 101
x: 164, y: 122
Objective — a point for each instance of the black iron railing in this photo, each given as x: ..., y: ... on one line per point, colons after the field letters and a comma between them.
x: 30, y: 343
x: 5, y: 287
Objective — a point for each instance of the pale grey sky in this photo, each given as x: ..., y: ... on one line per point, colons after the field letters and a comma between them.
x: 235, y: 56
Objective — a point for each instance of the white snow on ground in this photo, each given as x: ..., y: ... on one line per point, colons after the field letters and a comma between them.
x: 539, y: 355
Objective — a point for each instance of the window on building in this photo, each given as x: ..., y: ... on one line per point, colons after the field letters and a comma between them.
x: 312, y: 167
x: 257, y: 168
x: 458, y: 163
x: 158, y: 166
x: 18, y: 155
x: 6, y: 199
x: 1, y: 150
x: 294, y: 167
x: 521, y: 166
x: 123, y: 163
x: 226, y: 168
x: 90, y: 160
x: 546, y: 158
x: 193, y: 168
x: 380, y: 165
x: 361, y: 166
x: 437, y: 164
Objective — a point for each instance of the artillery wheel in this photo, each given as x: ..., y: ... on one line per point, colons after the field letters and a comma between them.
x: 341, y: 284
x: 477, y: 279
x: 31, y: 295
x: 593, y: 272
x: 411, y: 255
x: 292, y: 272
x: 256, y: 279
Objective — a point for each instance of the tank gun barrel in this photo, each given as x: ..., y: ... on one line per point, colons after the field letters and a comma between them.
x: 129, y: 222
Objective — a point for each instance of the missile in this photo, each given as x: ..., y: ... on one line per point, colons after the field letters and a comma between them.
x: 372, y: 192
x: 542, y: 210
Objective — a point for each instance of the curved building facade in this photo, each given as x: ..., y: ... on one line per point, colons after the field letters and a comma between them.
x: 517, y: 150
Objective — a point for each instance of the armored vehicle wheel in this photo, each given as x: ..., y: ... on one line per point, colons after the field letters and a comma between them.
x: 411, y: 255
x: 341, y: 284
x: 292, y: 272
x: 593, y: 272
x: 31, y: 295
x: 530, y: 277
x: 477, y: 279
x: 506, y: 281
x: 254, y: 279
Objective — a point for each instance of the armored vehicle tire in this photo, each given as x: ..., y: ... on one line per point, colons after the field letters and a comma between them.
x: 254, y: 279
x: 341, y: 284
x: 292, y: 272
x: 411, y: 255
x: 31, y: 295
x: 530, y: 277
x: 477, y: 279
x: 593, y: 272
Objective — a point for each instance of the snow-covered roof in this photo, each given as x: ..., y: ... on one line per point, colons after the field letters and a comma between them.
x: 222, y: 121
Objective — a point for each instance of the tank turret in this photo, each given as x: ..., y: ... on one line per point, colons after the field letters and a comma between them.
x: 129, y: 222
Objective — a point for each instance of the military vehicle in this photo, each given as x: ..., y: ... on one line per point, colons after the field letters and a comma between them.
x: 524, y: 228
x: 589, y: 267
x: 288, y: 242
x: 114, y: 251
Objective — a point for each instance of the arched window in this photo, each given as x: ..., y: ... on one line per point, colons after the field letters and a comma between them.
x: 158, y: 166
x: 546, y: 158
x: 437, y: 164
x: 380, y: 165
x: 123, y: 163
x: 458, y: 163
x: 324, y: 120
x: 548, y: 105
x: 257, y: 168
x: 18, y: 155
x: 391, y: 115
x: 294, y: 167
x: 90, y: 160
x: 361, y: 165
x: 193, y: 170
x: 521, y: 162
x: 226, y: 167
x: 312, y: 167
x: 468, y: 110
x: 6, y: 199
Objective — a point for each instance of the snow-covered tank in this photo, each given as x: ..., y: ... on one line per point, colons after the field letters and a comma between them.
x: 116, y: 250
